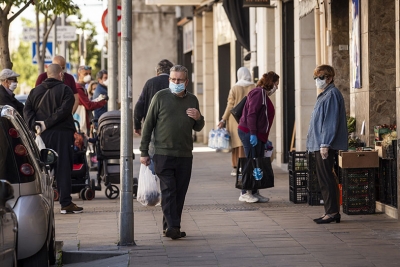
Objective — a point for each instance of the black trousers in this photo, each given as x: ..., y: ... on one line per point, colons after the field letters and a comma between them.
x: 174, y: 174
x: 328, y: 181
x: 62, y: 142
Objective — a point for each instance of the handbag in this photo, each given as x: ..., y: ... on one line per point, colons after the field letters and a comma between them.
x: 237, y: 110
x: 254, y: 173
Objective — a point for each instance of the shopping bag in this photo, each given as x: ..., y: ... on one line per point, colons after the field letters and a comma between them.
x: 237, y: 110
x: 39, y: 142
x: 148, y: 192
x: 80, y: 116
x: 254, y: 173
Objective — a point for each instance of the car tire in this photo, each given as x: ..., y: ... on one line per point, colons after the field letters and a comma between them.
x: 40, y: 259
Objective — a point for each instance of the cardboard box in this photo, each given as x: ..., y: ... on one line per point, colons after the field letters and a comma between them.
x: 358, y: 159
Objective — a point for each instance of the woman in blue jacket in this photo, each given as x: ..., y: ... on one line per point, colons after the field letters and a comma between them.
x: 326, y: 135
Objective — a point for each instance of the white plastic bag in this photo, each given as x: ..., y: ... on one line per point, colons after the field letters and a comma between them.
x: 148, y: 192
x: 39, y: 142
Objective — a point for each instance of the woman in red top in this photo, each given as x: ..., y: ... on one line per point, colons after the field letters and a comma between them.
x: 255, y: 124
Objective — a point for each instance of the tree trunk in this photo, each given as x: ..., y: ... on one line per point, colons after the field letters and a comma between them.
x: 5, y: 58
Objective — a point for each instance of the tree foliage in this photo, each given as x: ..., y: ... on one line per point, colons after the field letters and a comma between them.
x: 26, y: 70
x: 50, y: 9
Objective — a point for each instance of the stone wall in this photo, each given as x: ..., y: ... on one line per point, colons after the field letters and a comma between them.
x: 340, y: 56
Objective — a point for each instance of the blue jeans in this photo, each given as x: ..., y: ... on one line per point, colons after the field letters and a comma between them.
x: 250, y: 151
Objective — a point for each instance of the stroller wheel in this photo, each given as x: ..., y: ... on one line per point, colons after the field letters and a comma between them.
x: 112, y: 191
x: 93, y: 185
x: 56, y: 194
x: 89, y: 193
x: 82, y: 194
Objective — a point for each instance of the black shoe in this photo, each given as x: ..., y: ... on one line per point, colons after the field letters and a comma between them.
x: 335, y: 218
x: 183, y: 234
x: 173, y: 233
x: 319, y: 218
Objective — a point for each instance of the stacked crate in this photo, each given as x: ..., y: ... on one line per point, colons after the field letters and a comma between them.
x: 314, y: 197
x: 387, y: 184
x: 298, y: 171
x: 358, y: 170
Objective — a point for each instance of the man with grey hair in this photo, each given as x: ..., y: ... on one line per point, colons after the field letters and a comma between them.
x: 49, y: 105
x: 151, y: 87
x: 173, y: 114
x: 9, y: 83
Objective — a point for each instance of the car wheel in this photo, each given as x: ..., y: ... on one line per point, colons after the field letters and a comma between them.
x: 52, y: 245
x: 112, y: 191
x: 40, y: 259
x: 56, y: 194
x: 82, y: 193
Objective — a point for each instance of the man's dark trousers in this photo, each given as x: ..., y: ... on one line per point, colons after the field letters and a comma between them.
x: 174, y: 174
x: 62, y: 142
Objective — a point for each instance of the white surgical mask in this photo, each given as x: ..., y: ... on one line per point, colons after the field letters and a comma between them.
x: 272, y: 91
x: 13, y: 86
x: 87, y: 79
x: 321, y: 84
x: 105, y: 82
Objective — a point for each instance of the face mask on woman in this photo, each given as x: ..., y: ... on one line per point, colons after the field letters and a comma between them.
x: 321, y: 84
x: 272, y: 91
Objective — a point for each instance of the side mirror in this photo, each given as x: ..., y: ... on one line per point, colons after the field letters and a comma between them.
x: 48, y: 156
x: 6, y: 192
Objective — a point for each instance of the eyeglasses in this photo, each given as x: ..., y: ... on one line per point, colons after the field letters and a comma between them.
x: 322, y: 77
x: 85, y: 67
x: 177, y: 80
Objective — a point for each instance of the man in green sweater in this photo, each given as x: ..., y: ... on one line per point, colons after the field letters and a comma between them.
x: 173, y: 114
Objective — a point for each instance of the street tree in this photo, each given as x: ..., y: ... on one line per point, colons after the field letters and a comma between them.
x: 6, y: 17
x: 50, y: 9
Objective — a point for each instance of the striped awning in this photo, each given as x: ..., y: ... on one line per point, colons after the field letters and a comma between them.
x: 306, y: 6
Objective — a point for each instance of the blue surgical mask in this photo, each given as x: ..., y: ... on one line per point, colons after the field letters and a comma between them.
x: 321, y: 84
x: 176, y: 88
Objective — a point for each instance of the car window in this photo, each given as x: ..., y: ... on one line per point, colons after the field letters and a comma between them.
x: 14, y: 162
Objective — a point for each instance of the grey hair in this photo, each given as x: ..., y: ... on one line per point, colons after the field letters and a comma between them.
x: 100, y: 74
x: 180, y: 68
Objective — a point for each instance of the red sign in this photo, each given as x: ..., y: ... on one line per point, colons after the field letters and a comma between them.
x: 104, y: 20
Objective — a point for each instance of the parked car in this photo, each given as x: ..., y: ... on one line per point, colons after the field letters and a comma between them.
x: 8, y: 226
x: 21, y: 98
x: 27, y: 169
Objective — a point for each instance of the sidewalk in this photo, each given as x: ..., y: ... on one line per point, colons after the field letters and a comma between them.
x: 222, y: 231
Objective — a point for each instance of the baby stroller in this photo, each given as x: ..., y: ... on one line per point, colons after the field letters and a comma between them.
x: 108, y: 153
x: 80, y: 178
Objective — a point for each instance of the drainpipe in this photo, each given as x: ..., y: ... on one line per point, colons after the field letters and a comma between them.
x: 317, y: 36
x: 253, y: 37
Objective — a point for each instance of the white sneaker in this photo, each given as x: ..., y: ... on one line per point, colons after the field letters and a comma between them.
x: 249, y: 198
x: 233, y: 172
x: 261, y: 198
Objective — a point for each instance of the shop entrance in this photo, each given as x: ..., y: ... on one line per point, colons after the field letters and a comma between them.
x: 224, y: 76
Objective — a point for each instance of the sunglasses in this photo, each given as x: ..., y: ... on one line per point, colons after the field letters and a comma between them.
x: 85, y: 68
x: 12, y: 79
x: 319, y: 77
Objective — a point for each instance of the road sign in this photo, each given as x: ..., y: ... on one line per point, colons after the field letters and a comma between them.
x: 64, y: 33
x: 48, y: 55
x: 104, y: 20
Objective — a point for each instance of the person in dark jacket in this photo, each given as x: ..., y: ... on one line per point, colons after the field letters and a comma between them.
x: 173, y: 114
x: 151, y: 87
x: 68, y: 79
x: 9, y: 83
x: 50, y: 106
x: 255, y: 124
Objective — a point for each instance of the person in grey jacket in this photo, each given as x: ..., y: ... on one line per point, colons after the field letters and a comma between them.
x: 327, y: 134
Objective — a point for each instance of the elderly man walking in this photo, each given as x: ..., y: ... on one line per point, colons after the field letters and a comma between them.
x: 173, y: 114
x: 9, y: 83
